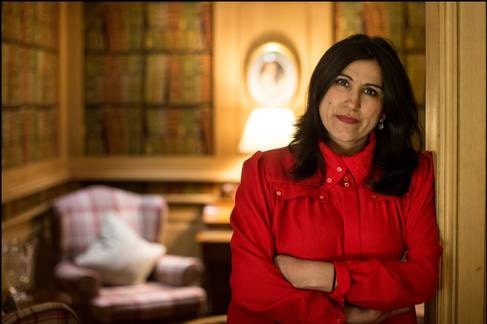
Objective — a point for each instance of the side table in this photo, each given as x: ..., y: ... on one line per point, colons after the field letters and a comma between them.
x: 215, y: 245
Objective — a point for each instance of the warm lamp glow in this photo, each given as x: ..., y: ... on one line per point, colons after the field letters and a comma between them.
x: 267, y: 128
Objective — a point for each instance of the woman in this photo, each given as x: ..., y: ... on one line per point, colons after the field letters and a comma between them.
x: 340, y: 225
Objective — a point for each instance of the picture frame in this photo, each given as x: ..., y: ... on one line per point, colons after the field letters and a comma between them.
x: 272, y: 75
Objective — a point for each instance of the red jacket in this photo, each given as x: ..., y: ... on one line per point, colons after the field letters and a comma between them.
x: 342, y: 221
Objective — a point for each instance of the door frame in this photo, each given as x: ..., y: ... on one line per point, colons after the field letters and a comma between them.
x: 456, y: 133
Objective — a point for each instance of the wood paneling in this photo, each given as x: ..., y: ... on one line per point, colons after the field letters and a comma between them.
x: 471, y: 163
x: 456, y: 132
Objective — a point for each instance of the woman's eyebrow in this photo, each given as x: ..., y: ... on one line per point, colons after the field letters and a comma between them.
x: 367, y: 84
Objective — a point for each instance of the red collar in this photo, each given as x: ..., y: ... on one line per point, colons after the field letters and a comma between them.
x: 359, y: 165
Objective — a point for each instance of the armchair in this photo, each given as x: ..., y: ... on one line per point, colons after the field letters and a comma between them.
x: 170, y: 291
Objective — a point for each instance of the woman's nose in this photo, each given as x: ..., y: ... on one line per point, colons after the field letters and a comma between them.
x: 354, y: 99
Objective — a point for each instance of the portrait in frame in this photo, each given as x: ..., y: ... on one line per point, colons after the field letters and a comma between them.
x: 272, y: 75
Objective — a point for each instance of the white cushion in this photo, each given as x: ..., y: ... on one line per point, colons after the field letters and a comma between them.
x: 120, y: 255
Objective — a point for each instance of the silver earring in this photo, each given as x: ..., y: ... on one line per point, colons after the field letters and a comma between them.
x: 380, y: 124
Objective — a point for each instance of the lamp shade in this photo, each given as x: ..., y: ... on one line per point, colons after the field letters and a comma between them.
x: 267, y: 128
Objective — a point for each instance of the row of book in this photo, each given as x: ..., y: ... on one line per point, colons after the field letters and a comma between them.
x: 172, y: 79
x: 29, y: 76
x: 372, y: 18
x: 133, y: 131
x: 29, y: 134
x: 113, y: 78
x: 31, y: 22
x: 402, y: 23
x: 178, y: 25
x: 153, y: 25
x: 415, y: 36
x: 113, y: 131
x: 190, y: 79
x: 114, y: 25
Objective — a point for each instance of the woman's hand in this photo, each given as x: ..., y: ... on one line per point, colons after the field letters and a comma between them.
x: 357, y: 315
x: 306, y: 274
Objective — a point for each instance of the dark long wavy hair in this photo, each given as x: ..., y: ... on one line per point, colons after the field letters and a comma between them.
x: 395, y: 157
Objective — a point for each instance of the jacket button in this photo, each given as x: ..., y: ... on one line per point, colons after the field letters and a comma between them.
x: 322, y: 197
x: 329, y: 180
x: 347, y: 184
x: 278, y: 193
x: 339, y: 169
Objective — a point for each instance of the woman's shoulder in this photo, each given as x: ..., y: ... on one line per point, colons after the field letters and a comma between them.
x: 274, y: 163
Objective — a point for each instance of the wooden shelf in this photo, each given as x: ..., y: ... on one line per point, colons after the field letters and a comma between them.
x: 188, y: 198
x: 214, y: 236
x: 189, y: 168
x: 25, y: 216
x: 218, y: 213
x: 25, y: 180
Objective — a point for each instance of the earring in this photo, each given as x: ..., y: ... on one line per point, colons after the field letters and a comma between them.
x: 380, y: 124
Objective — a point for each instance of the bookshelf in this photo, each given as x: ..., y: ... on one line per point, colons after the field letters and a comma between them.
x: 148, y: 79
x: 30, y: 107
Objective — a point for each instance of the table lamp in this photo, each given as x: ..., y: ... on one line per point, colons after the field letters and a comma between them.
x: 267, y: 128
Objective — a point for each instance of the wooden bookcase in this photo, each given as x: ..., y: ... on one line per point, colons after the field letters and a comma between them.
x: 33, y: 104
x: 30, y: 60
x: 148, y: 78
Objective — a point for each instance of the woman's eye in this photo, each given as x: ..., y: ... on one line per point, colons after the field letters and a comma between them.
x: 370, y: 92
x: 342, y: 82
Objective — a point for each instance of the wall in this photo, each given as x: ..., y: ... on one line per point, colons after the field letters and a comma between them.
x: 239, y: 27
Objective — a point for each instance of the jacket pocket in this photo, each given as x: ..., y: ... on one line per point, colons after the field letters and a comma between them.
x: 305, y: 224
x: 287, y: 191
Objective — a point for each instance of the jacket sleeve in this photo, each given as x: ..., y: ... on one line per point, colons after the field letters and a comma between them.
x: 257, y: 285
x: 385, y: 285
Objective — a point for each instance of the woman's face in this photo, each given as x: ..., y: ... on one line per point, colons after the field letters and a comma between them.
x: 352, y: 106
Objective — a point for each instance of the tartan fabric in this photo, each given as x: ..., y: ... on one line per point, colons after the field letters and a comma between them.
x: 176, y: 270
x: 147, y: 301
x: 80, y: 215
x: 45, y: 313
x: 82, y: 284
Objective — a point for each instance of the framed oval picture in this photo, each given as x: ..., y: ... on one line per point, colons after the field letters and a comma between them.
x: 272, y: 75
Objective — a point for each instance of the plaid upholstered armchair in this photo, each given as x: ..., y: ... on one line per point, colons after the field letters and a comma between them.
x: 112, y: 262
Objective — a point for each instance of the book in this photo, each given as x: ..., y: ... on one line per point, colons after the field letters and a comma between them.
x: 190, y: 77
x: 156, y: 78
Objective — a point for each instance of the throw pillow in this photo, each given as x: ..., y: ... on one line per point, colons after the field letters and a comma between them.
x: 120, y: 255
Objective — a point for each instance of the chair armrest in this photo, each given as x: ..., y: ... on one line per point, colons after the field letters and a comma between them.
x: 82, y: 284
x: 174, y: 270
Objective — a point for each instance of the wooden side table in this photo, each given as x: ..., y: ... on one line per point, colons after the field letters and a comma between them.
x: 215, y: 246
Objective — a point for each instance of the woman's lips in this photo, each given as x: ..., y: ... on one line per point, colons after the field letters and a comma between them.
x: 347, y: 119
